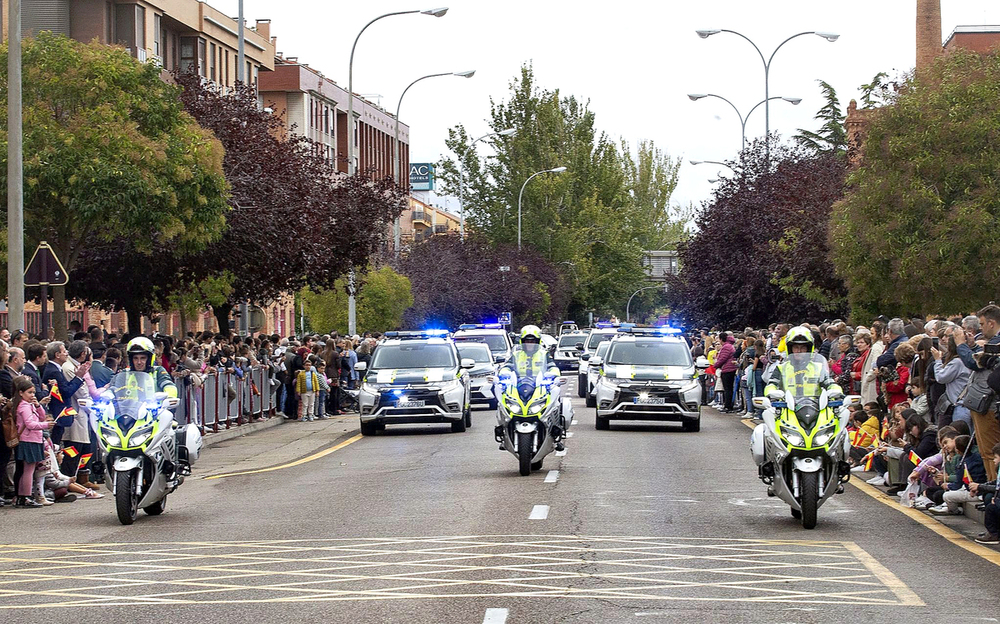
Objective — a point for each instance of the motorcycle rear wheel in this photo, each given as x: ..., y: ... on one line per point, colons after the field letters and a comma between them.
x: 126, y: 500
x: 809, y: 489
x: 525, y: 447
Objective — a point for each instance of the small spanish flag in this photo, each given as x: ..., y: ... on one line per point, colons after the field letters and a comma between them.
x: 967, y: 478
x: 885, y: 428
x: 862, y: 438
x: 914, y: 458
x: 85, y: 459
x: 54, y: 393
x: 71, y: 451
x: 67, y: 411
x: 869, y: 458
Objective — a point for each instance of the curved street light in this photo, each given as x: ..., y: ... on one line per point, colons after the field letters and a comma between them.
x: 711, y: 162
x: 694, y: 97
x: 396, y: 164
x: 461, y: 174
x: 627, y: 305
x: 521, y: 194
x: 829, y: 36
x: 351, y: 134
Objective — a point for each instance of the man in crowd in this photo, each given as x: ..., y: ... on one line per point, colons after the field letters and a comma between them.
x: 897, y: 336
x: 977, y: 396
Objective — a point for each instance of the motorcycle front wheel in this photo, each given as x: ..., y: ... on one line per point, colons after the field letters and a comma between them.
x: 809, y: 488
x: 126, y: 500
x: 525, y: 446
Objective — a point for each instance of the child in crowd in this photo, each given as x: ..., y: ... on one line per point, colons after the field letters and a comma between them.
x: 988, y: 491
x: 31, y: 422
x: 306, y: 386
x: 935, y: 471
x: 956, y: 493
x: 324, y: 389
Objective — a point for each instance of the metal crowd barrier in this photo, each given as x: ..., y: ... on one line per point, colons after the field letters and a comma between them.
x: 224, y: 400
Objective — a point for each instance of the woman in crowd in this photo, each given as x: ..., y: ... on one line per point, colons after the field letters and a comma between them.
x: 895, y: 384
x: 950, y: 371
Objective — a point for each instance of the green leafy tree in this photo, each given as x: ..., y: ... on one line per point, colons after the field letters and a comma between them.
x: 382, y: 297
x: 595, y: 220
x: 916, y: 230
x: 831, y: 136
x: 109, y: 155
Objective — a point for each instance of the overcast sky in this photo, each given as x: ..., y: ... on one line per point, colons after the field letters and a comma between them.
x: 634, y: 60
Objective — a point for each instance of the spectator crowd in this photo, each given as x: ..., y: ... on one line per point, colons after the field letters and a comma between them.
x: 51, y: 454
x: 927, y: 425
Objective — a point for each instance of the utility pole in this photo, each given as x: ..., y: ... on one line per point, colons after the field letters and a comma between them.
x: 15, y: 182
x: 241, y: 75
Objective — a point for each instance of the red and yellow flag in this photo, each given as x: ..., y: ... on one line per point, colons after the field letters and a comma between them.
x: 914, y: 458
x: 868, y: 459
x: 54, y: 393
x: 885, y: 428
x: 71, y: 451
x: 862, y: 438
x: 67, y: 411
x: 85, y: 459
x: 967, y: 478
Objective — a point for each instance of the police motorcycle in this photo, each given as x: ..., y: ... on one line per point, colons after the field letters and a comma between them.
x: 532, y: 414
x: 801, y: 447
x: 148, y: 455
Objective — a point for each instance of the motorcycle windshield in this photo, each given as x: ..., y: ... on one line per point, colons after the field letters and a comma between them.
x: 802, y: 375
x: 133, y: 392
x: 527, y: 370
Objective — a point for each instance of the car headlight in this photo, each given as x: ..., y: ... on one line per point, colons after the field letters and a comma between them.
x: 792, y: 436
x: 824, y: 435
x: 373, y: 388
x: 140, y: 437
x: 110, y: 437
x: 446, y: 386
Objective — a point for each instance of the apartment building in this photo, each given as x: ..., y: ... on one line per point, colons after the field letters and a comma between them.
x: 424, y: 220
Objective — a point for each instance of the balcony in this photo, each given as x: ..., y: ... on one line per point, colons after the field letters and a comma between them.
x: 440, y: 229
x: 419, y: 216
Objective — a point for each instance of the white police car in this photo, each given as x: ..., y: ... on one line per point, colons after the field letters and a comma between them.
x: 493, y: 334
x: 481, y: 392
x: 567, y: 352
x: 415, y: 377
x: 594, y: 365
x: 600, y: 333
x: 648, y: 374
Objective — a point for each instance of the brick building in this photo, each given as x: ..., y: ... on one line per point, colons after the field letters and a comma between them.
x: 980, y: 39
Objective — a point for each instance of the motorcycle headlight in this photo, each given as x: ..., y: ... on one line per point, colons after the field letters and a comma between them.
x: 824, y: 435
x: 140, y: 437
x: 110, y: 437
x: 792, y: 436
x: 538, y: 405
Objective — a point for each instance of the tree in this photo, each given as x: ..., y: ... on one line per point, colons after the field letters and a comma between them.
x: 832, y: 135
x: 457, y: 282
x: 110, y: 156
x: 760, y: 252
x: 916, y: 228
x: 383, y: 295
x: 597, y: 218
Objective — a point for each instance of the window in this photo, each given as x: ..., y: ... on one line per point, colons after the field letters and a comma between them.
x: 211, y: 63
x: 653, y: 352
x: 157, y: 36
x: 189, y: 60
x: 227, y: 68
x: 202, y: 61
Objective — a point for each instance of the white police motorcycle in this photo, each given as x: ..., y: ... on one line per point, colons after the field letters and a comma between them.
x: 148, y: 455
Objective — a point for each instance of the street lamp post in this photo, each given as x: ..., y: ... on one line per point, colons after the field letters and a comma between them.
x: 351, y: 134
x: 711, y: 162
x: 521, y: 194
x: 829, y: 36
x: 794, y: 101
x: 629, y: 303
x: 461, y: 174
x: 396, y: 161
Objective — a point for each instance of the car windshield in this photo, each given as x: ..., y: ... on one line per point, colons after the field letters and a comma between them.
x: 414, y: 354
x: 569, y: 341
x: 496, y: 342
x: 602, y: 349
x: 596, y: 339
x: 476, y: 351
x: 650, y: 352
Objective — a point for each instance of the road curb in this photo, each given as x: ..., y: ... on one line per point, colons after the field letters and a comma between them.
x: 241, y: 430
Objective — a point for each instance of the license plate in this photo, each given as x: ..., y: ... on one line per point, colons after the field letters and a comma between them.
x: 404, y: 404
x: 649, y: 401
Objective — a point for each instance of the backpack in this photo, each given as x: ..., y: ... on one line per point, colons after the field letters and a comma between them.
x: 10, y: 433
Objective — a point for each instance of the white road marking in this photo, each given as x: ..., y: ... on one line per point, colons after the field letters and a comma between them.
x: 561, y: 453
x: 539, y: 512
x: 495, y: 616
x: 569, y: 434
x: 575, y: 422
x: 552, y: 477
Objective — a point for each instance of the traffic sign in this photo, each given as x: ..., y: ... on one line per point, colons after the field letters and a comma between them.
x: 45, y: 268
x: 505, y: 318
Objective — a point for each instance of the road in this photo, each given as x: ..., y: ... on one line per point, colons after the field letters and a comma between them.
x: 642, y: 523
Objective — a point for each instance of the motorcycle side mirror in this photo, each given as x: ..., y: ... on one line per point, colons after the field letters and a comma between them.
x: 761, y: 403
x: 84, y: 402
x: 499, y: 359
x: 852, y: 400
x: 160, y: 397
x: 702, y: 363
x: 585, y: 357
x: 561, y: 381
x: 361, y: 366
x: 171, y: 402
x: 468, y: 363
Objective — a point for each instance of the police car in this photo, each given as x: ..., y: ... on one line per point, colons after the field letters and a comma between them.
x: 493, y: 334
x: 648, y: 374
x: 594, y: 371
x: 415, y: 377
x: 600, y: 333
x: 567, y: 355
x: 481, y: 389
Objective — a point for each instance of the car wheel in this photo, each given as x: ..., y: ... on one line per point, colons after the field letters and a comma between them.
x: 692, y: 425
x: 591, y: 399
x: 581, y: 383
x: 458, y: 426
x: 601, y: 423
x: 369, y: 428
x: 493, y: 404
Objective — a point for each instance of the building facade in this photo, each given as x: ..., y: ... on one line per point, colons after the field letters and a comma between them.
x: 423, y: 221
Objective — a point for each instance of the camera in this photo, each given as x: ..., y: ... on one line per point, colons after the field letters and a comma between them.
x: 990, y: 356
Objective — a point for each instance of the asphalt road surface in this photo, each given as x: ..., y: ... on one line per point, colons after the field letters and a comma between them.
x: 642, y: 523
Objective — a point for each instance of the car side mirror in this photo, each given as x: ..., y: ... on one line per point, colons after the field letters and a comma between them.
x: 585, y: 357
x: 702, y: 363
x: 468, y: 363
x: 596, y: 361
x: 579, y: 346
x: 361, y: 366
x: 499, y: 359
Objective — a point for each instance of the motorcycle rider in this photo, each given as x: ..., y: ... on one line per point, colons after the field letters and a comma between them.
x: 801, y: 375
x: 142, y: 359
x: 530, y: 359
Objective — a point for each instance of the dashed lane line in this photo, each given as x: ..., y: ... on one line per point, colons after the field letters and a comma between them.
x: 552, y: 477
x: 495, y: 616
x: 539, y: 512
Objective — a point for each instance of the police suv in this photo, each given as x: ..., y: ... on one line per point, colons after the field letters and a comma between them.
x: 415, y: 377
x: 493, y: 334
x: 648, y: 374
x: 600, y: 333
x: 481, y: 388
x: 567, y: 356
